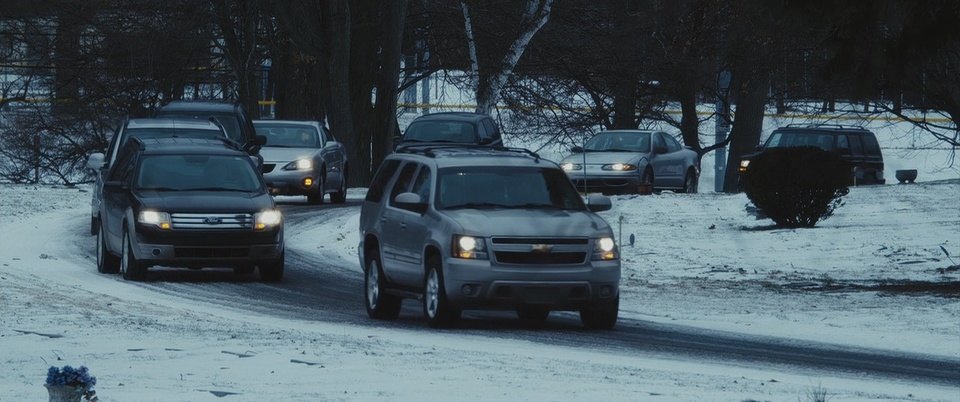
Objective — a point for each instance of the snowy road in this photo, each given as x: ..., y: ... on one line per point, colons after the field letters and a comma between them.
x: 318, y: 287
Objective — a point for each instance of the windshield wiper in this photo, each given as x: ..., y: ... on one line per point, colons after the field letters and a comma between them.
x: 216, y: 189
x: 536, y: 206
x: 158, y: 189
x: 477, y: 205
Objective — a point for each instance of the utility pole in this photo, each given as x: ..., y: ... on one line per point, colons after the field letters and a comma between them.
x: 722, y: 128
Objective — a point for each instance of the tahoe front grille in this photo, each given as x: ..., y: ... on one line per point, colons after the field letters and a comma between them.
x: 544, y: 258
x: 211, y: 252
x: 212, y: 221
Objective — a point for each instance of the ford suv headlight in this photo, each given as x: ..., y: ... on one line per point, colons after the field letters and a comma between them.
x: 571, y: 167
x: 299, y: 164
x: 267, y: 219
x: 469, y: 247
x: 619, y: 167
x: 154, y: 218
x: 604, y: 248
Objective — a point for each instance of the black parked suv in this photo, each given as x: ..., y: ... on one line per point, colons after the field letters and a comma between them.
x: 452, y: 127
x: 187, y: 202
x: 853, y: 143
x: 232, y: 116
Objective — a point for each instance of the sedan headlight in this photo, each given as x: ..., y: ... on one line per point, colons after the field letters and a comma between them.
x: 299, y: 164
x: 604, y: 248
x: 743, y: 165
x: 571, y: 166
x: 266, y: 219
x: 155, y: 218
x: 469, y: 247
x: 619, y: 167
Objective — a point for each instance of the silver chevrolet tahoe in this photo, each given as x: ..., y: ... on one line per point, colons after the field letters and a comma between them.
x: 462, y: 227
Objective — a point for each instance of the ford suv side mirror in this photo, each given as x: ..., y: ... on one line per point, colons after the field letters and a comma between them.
x: 598, y: 203
x: 410, y: 202
x: 577, y: 150
x: 114, y: 185
x: 95, y: 161
x: 660, y: 149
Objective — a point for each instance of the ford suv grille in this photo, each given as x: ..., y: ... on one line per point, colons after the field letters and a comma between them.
x: 212, y: 221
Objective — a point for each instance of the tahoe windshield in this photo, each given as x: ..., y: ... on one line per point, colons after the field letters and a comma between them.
x: 800, y: 139
x: 441, y: 131
x: 197, y: 172
x: 506, y: 187
x: 289, y: 135
x: 619, y: 142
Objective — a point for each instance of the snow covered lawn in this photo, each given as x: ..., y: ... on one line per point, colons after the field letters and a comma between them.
x: 874, y: 275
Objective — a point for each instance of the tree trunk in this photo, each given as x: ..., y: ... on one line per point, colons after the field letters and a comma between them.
x: 748, y: 126
x: 335, y: 74
x: 385, y: 109
x: 689, y: 122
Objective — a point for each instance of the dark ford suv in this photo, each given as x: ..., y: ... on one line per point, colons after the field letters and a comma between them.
x: 452, y: 127
x: 854, y: 144
x: 187, y: 202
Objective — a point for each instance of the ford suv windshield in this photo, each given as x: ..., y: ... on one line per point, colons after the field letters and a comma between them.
x: 506, y: 187
x: 197, y: 173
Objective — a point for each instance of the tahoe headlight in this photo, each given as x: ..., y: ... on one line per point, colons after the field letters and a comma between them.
x: 469, y: 247
x: 267, y: 219
x: 571, y: 166
x: 619, y: 167
x: 604, y: 248
x: 154, y: 218
x: 299, y: 164
x: 744, y: 164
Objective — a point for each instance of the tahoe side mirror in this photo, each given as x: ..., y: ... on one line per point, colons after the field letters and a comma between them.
x: 598, y: 203
x: 260, y: 140
x: 576, y: 149
x: 410, y: 202
x: 95, y: 161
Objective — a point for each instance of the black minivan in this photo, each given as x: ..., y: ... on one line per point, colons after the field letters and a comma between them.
x: 855, y: 144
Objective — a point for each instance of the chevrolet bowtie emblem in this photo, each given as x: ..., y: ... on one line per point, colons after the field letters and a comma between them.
x: 541, y: 248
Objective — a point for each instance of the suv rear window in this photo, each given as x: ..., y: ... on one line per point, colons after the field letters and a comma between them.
x: 441, y: 131
x: 506, y: 187
x: 870, y: 144
x: 230, y: 122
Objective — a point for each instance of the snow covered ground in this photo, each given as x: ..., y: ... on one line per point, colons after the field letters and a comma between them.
x: 874, y: 275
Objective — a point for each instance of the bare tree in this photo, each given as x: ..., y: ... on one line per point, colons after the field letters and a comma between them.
x: 490, y: 80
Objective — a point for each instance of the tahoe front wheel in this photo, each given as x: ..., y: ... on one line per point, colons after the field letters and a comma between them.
x: 380, y: 305
x: 436, y: 307
x: 601, y: 315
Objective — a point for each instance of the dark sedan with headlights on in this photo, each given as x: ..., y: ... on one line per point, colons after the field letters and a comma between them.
x: 623, y: 161
x: 303, y: 158
x: 193, y: 203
